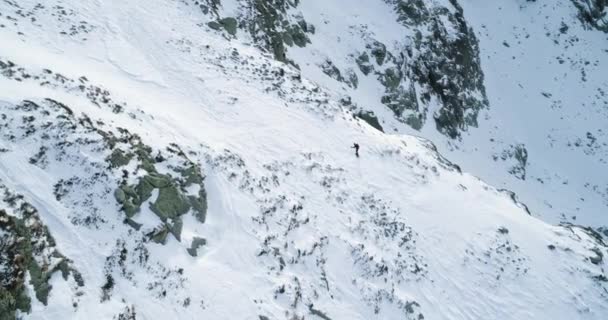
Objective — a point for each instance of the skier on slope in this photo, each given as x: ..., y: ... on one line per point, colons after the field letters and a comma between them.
x: 356, y: 146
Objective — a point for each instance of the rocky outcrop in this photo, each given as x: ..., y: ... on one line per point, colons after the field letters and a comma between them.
x: 370, y: 118
x: 273, y: 29
x: 172, y: 201
x: 27, y: 250
x: 444, y: 62
x: 517, y: 156
x: 229, y: 24
x: 58, y: 137
x: 438, y: 60
x: 593, y: 13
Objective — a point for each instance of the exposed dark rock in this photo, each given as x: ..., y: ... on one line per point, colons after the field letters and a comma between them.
x: 160, y: 234
x: 214, y: 25
x: 370, y: 118
x: 351, y: 78
x: 172, y: 201
x: 364, y: 65
x: 106, y: 288
x: 26, y: 246
x: 391, y: 78
x: 207, y: 6
x: 332, y: 71
x: 513, y: 197
x: 593, y: 13
x: 272, y: 28
x: 119, y: 158
x: 445, y: 65
x: 402, y: 99
x: 196, y: 243
x: 318, y: 313
x: 229, y: 24
x: 378, y: 51
x: 598, y: 257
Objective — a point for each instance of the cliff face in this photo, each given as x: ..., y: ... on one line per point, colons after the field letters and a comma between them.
x: 437, y: 57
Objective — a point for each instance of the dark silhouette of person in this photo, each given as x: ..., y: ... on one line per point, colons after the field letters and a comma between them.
x: 356, y: 146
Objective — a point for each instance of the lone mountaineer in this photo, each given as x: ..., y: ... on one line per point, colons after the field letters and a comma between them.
x: 356, y: 146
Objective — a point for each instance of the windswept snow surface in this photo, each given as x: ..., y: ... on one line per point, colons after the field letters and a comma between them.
x: 296, y: 226
x: 545, y: 77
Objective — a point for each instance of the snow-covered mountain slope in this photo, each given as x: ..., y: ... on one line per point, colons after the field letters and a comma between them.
x: 546, y: 81
x: 154, y: 167
x: 513, y: 91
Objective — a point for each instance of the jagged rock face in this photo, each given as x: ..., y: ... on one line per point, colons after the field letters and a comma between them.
x: 370, y: 118
x: 436, y: 63
x: 593, y: 13
x: 439, y: 60
x: 443, y: 61
x: 447, y: 66
x: 273, y: 28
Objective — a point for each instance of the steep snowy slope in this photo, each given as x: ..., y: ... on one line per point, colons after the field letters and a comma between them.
x: 154, y: 167
x: 513, y: 91
x: 546, y: 81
